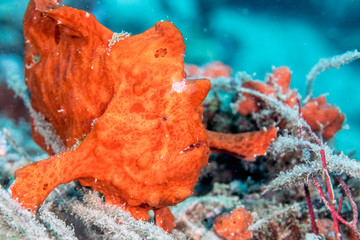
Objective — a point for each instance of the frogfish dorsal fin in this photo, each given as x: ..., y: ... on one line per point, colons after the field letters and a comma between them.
x: 197, y: 90
x: 47, y: 5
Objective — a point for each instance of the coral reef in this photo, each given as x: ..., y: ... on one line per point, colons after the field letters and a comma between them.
x: 321, y: 116
x: 303, y: 188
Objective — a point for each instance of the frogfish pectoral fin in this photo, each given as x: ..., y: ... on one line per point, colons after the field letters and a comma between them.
x: 242, y: 145
x: 34, y: 182
x: 164, y: 219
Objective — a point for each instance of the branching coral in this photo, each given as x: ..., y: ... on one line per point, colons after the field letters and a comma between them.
x: 321, y: 116
x: 16, y: 222
x: 316, y: 113
x: 115, y: 223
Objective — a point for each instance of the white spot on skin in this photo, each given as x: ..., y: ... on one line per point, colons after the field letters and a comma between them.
x: 87, y: 14
x: 93, y: 122
x: 35, y: 59
x: 118, y: 37
x: 178, y: 87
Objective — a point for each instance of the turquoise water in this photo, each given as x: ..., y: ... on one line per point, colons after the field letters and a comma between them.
x: 249, y: 36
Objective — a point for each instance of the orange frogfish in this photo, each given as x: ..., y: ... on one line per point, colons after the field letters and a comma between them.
x: 129, y: 121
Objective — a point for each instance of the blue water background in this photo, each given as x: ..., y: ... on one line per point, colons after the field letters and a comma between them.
x: 250, y: 36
